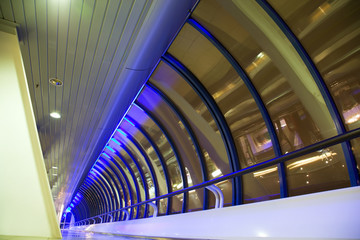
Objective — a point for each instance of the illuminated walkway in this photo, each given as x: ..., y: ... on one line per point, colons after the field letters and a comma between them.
x: 79, y: 235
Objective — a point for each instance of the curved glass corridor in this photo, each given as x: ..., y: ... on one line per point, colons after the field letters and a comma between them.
x: 242, y: 84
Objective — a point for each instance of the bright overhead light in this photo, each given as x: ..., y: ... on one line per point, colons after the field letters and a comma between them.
x: 55, y: 115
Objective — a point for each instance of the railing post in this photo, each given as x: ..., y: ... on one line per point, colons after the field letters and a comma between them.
x: 155, y: 209
x: 219, y: 197
x: 127, y: 214
x: 111, y: 217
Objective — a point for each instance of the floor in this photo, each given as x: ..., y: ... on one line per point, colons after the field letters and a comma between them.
x: 81, y: 235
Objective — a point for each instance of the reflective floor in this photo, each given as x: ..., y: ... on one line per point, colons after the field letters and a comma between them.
x: 80, y: 235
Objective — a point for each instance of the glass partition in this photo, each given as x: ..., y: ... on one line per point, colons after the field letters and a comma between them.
x: 329, y: 31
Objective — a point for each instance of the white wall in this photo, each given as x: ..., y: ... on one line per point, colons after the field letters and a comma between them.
x: 325, y: 215
x: 26, y: 206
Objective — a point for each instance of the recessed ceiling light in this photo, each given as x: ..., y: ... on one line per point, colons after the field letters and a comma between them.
x: 55, y: 115
x: 56, y: 82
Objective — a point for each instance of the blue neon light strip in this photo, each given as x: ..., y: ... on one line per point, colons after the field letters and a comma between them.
x: 218, y: 118
x: 115, y: 141
x: 129, y: 121
x: 329, y: 101
x: 106, y: 155
x: 122, y: 132
x: 108, y: 147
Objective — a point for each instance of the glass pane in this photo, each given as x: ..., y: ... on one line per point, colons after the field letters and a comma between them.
x: 261, y: 185
x: 179, y: 135
x: 140, y: 159
x: 104, y: 179
x: 336, y: 52
x: 131, y: 118
x: 319, y: 171
x: 129, y: 177
x: 166, y: 151
x: 200, y: 120
x: 355, y: 143
x: 293, y: 103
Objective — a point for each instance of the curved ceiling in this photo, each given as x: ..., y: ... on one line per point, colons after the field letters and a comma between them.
x: 103, y: 52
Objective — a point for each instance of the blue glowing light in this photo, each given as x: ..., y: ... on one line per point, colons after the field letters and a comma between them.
x: 123, y: 133
x: 68, y: 210
x: 116, y: 141
x: 108, y: 147
x: 72, y: 205
x: 106, y: 155
x: 129, y: 121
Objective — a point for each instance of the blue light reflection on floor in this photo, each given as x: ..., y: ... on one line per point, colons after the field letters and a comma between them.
x: 82, y: 235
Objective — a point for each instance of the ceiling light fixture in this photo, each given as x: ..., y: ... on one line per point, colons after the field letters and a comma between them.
x: 55, y: 115
x: 55, y: 82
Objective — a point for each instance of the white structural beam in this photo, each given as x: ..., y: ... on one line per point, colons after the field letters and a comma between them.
x: 26, y: 206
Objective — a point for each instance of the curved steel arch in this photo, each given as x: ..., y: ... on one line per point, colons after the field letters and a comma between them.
x: 104, y: 190
x: 108, y: 169
x: 256, y: 96
x: 84, y: 212
x: 173, y: 146
x: 142, y: 175
x: 191, y: 133
x: 91, y: 201
x: 147, y: 160
x: 136, y: 184
x: 113, y: 185
x: 118, y: 167
x: 218, y: 117
x: 329, y: 101
x: 102, y: 198
x: 161, y: 159
x: 97, y: 197
x: 109, y: 187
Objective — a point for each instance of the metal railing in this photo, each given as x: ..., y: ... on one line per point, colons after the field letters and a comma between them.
x: 297, y: 153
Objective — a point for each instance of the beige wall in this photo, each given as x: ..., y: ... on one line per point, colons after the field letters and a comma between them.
x: 26, y: 205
